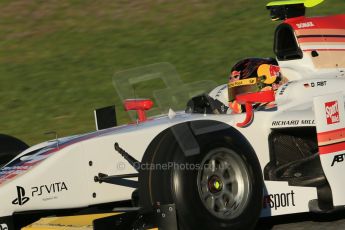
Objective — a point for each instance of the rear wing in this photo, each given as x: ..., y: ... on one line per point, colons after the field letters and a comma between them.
x: 282, y: 10
x: 306, y: 3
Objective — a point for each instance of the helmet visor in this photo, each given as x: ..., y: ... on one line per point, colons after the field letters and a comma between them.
x: 250, y: 85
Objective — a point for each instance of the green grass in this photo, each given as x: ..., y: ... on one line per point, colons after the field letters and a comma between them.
x: 57, y: 58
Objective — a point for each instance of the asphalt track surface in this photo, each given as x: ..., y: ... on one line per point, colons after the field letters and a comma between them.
x: 333, y: 221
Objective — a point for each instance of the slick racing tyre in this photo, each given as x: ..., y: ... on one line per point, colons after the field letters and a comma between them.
x: 220, y: 188
x: 10, y: 147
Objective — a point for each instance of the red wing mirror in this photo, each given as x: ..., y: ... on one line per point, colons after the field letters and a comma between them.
x: 140, y: 105
x: 249, y: 99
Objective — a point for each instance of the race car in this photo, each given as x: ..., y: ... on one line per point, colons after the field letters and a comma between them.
x: 211, y: 170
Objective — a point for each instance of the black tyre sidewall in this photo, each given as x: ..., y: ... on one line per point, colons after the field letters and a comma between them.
x: 10, y: 147
x: 186, y: 195
x: 180, y: 186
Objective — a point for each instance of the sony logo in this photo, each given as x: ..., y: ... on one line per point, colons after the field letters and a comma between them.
x: 42, y: 190
x: 48, y: 189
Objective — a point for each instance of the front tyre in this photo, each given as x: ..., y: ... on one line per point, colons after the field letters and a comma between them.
x: 10, y: 147
x: 220, y: 188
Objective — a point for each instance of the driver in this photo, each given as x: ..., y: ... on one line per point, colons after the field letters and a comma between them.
x: 248, y: 76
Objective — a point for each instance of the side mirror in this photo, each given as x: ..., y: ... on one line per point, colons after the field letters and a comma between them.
x: 140, y: 105
x: 249, y: 99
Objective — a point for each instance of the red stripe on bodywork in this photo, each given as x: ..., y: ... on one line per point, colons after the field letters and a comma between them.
x: 32, y: 163
x: 332, y: 148
x: 9, y: 176
x: 326, y: 22
x: 331, y: 135
x: 306, y: 50
x: 321, y: 39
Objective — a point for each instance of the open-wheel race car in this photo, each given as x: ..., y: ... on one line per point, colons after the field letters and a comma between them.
x: 197, y: 169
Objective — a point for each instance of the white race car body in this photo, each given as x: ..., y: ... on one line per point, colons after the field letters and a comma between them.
x: 60, y: 174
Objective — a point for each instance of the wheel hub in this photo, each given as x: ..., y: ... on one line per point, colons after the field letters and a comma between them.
x: 223, y: 183
x: 215, y: 184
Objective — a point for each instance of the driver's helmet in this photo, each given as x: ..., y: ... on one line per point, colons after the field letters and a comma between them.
x: 252, y: 75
